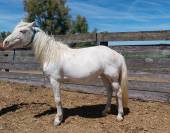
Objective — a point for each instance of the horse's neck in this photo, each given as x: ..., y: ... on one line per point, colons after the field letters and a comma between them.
x: 46, y: 49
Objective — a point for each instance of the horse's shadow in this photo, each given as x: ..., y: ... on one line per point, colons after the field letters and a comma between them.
x: 15, y: 107
x: 11, y: 108
x: 87, y: 111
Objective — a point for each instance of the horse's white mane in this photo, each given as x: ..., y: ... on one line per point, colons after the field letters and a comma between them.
x: 47, y: 49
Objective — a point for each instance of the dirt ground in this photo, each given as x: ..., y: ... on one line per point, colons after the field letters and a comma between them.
x: 30, y: 109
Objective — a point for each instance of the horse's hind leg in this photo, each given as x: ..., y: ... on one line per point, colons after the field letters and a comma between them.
x: 108, y: 86
x: 118, y: 91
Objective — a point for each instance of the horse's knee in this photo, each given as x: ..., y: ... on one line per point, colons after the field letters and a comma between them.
x: 54, y: 82
x: 117, y: 88
x: 58, y: 101
x: 115, y: 85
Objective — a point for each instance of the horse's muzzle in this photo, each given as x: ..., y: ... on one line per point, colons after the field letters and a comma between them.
x: 1, y: 46
x: 4, y: 45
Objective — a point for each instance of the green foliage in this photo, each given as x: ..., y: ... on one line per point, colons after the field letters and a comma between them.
x: 53, y: 17
x: 3, y: 35
x: 80, y: 25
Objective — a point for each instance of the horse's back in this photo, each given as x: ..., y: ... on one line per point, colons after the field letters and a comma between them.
x: 98, y: 51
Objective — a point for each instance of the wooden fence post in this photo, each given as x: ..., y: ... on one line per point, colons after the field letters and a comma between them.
x: 104, y: 43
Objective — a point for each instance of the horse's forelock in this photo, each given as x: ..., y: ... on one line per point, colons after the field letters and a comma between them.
x: 21, y: 24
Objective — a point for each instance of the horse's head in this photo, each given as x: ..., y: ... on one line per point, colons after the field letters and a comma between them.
x: 22, y: 35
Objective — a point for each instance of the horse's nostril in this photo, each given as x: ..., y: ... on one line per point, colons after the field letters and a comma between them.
x: 6, y: 42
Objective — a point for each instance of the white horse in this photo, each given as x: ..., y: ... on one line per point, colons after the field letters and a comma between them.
x: 84, y: 64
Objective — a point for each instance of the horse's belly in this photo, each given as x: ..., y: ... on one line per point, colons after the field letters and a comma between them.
x: 82, y: 75
x: 80, y: 80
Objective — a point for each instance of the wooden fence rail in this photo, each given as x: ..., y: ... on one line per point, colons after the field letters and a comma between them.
x: 115, y: 36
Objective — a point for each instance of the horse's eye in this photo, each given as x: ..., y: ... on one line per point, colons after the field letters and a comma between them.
x: 23, y: 31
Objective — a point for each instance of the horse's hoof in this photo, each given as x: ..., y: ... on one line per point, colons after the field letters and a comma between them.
x: 119, y: 118
x: 104, y: 113
x: 57, y: 122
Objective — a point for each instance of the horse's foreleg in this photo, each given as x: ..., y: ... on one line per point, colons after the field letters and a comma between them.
x: 108, y: 86
x: 117, y: 88
x: 56, y: 90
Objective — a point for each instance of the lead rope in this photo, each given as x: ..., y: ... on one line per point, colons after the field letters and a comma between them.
x: 13, y: 58
x: 44, y: 78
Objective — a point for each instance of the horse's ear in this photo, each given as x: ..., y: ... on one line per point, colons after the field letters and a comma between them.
x: 22, y: 21
x: 30, y: 25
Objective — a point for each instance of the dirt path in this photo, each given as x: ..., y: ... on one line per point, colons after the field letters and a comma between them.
x: 30, y: 109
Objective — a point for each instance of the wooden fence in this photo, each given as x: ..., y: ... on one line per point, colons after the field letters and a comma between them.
x: 115, y: 36
x: 148, y: 66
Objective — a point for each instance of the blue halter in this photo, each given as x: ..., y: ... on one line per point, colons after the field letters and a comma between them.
x: 32, y: 38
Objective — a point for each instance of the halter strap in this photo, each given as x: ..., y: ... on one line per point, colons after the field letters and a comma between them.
x: 32, y: 38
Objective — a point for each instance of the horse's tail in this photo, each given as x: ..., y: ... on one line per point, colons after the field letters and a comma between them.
x: 124, y: 83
